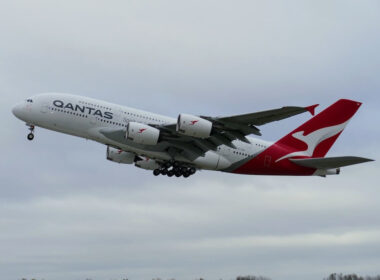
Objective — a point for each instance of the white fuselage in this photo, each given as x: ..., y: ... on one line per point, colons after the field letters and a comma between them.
x: 88, y: 118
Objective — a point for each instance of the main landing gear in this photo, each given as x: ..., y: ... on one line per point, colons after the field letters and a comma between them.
x: 174, y: 169
x: 31, y: 134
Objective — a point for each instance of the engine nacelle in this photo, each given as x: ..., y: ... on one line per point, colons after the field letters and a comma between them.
x: 149, y: 164
x: 324, y: 172
x: 193, y: 126
x: 120, y: 156
x: 142, y: 134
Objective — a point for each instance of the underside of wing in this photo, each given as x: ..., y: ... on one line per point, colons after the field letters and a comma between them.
x: 169, y: 143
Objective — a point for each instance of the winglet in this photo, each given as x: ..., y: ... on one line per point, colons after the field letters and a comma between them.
x: 311, y: 108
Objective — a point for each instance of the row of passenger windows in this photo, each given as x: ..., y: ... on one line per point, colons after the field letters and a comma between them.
x: 241, y: 153
x: 68, y: 112
x: 85, y: 116
x: 94, y: 105
x: 111, y: 122
x: 143, y: 117
x: 126, y: 113
x: 262, y: 146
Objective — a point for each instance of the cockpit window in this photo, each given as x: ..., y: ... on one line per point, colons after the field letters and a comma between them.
x: 29, y: 100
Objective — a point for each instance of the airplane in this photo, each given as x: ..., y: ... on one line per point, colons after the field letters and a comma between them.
x: 182, y: 146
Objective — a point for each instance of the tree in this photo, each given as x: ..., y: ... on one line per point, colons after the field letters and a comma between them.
x: 250, y: 277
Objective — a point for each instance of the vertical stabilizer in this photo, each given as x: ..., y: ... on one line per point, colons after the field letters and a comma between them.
x: 315, y: 137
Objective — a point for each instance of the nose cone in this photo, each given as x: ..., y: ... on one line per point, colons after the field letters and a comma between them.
x: 17, y: 111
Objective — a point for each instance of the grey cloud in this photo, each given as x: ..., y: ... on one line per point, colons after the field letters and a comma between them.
x: 153, y: 225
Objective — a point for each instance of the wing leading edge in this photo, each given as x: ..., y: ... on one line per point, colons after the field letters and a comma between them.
x: 264, y: 117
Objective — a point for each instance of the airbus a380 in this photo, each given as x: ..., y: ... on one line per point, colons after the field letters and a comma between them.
x: 181, y: 146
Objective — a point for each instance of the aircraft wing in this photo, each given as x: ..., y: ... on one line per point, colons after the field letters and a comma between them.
x: 224, y: 131
x: 227, y: 129
x: 264, y: 117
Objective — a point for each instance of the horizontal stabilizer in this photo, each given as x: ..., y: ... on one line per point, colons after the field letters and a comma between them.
x: 330, y: 162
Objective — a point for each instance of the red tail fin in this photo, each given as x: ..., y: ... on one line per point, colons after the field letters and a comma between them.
x: 315, y: 137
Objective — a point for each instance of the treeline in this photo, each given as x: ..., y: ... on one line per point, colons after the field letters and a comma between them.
x: 341, y: 276
x: 252, y: 278
x: 333, y: 276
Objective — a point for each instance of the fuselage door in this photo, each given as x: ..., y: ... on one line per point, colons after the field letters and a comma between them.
x: 92, y: 119
x: 267, y: 161
x: 44, y: 107
x: 122, y: 116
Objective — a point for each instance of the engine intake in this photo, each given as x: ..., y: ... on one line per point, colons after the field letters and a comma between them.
x: 142, y: 133
x: 193, y: 126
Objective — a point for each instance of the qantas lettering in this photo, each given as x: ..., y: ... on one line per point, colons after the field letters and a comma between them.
x: 83, y: 109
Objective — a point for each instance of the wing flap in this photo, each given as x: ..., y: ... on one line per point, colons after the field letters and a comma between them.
x: 329, y: 162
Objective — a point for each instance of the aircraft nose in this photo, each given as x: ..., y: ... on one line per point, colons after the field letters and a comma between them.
x: 17, y: 111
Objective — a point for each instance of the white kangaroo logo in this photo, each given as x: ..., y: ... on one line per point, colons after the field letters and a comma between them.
x: 313, y: 139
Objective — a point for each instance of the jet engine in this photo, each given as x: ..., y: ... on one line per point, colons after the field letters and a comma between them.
x: 149, y: 164
x: 142, y: 134
x: 120, y: 156
x: 193, y: 126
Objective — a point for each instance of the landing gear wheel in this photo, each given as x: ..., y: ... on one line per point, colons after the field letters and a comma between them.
x: 170, y: 173
x: 183, y: 170
x: 186, y: 174
x: 31, y: 134
x: 164, y: 171
x: 192, y: 170
x: 156, y: 172
x: 178, y: 174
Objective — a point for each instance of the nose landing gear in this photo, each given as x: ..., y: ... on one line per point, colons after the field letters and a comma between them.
x: 31, y: 134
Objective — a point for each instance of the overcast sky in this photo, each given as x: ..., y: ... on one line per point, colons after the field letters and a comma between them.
x: 68, y: 213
